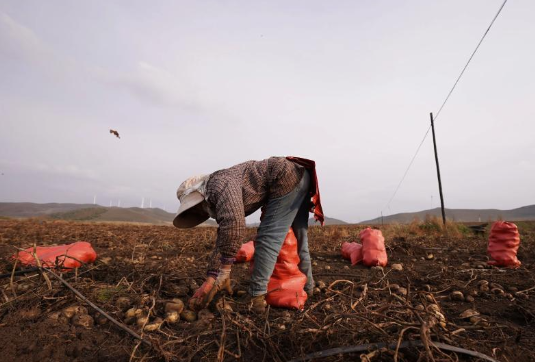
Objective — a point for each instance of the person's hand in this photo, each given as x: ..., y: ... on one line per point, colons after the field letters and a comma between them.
x: 206, y: 292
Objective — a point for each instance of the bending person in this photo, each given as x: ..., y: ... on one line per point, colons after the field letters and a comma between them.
x: 286, y: 189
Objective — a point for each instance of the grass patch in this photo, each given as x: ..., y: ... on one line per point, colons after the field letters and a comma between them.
x: 80, y: 215
x: 107, y: 294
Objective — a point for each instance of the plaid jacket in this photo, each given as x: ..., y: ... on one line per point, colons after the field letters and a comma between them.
x: 237, y: 192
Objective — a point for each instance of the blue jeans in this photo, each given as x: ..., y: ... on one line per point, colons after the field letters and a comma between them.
x: 280, y: 214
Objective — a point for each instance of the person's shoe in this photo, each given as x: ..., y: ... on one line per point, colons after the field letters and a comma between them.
x: 256, y: 304
x: 310, y: 292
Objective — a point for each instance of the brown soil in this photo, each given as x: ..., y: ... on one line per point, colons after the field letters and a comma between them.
x: 153, y: 264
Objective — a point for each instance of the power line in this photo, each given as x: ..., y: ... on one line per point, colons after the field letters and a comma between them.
x: 469, y: 60
x: 407, y: 170
x: 444, y: 103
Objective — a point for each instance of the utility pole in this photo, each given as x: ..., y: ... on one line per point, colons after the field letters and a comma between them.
x: 382, y: 221
x: 438, y: 171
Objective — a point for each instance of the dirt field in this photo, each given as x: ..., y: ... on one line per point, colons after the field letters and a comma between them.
x: 146, y: 266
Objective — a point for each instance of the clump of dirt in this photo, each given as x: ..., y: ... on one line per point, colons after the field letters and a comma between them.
x: 440, y: 290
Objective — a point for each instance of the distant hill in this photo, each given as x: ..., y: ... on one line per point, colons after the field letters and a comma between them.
x: 89, y: 212
x: 117, y: 214
x: 328, y: 221
x: 311, y: 222
x: 461, y: 215
x: 29, y: 209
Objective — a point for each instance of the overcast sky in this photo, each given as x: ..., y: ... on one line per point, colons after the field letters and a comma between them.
x: 196, y: 86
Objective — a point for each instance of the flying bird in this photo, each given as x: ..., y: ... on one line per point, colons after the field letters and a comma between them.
x: 112, y: 131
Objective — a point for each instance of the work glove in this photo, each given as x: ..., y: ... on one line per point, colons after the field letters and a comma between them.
x: 206, y: 292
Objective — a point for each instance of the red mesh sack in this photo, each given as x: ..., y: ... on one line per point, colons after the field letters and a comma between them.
x: 373, y: 247
x: 67, y: 256
x: 504, y: 241
x: 246, y: 252
x: 352, y: 251
x: 285, y: 287
x: 287, y: 282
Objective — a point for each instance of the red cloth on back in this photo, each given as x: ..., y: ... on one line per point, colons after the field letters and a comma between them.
x: 65, y: 256
x: 314, y: 187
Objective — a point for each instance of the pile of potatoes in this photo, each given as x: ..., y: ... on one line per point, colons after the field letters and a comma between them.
x: 174, y: 312
x: 77, y: 315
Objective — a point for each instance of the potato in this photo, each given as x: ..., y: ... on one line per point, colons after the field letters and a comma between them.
x: 172, y: 317
x: 223, y: 305
x: 176, y: 305
x: 394, y: 287
x: 83, y: 320
x: 188, y: 315
x: 69, y: 312
x: 457, y: 295
x: 142, y: 320
x: 101, y: 320
x: 123, y: 302
x: 130, y: 313
x: 469, y: 313
x: 154, y: 325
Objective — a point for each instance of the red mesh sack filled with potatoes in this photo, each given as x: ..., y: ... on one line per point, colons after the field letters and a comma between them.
x: 353, y: 252
x: 504, y: 241
x: 245, y: 253
x: 65, y: 256
x: 285, y: 287
x: 373, y: 247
